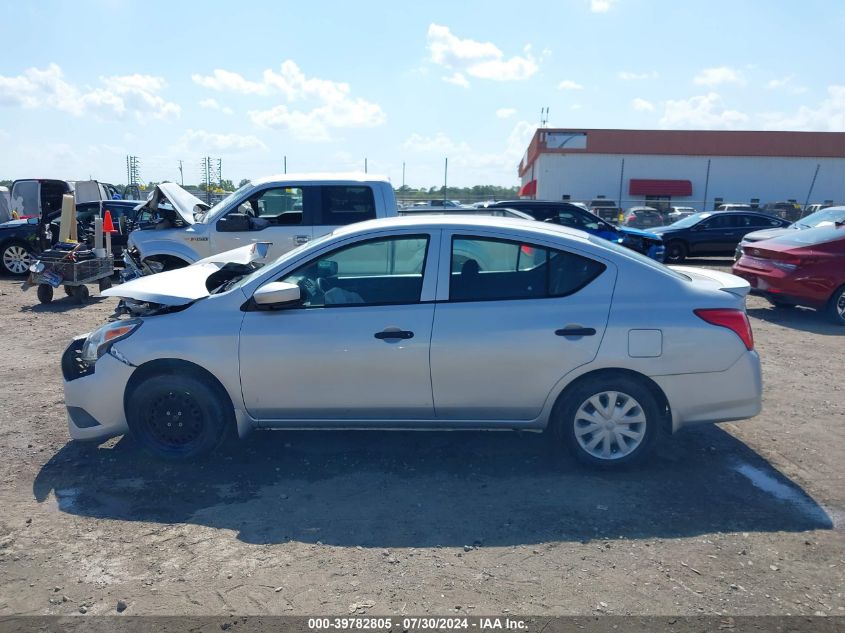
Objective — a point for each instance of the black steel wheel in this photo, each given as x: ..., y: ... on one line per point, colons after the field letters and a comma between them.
x: 176, y: 416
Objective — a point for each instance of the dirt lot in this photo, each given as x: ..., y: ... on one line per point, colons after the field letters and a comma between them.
x: 745, y: 518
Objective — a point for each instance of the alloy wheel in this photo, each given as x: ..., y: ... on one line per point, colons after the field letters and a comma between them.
x: 16, y: 259
x: 610, y: 425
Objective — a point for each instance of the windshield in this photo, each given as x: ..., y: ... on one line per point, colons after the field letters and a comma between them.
x: 214, y: 211
x: 689, y: 221
x: 831, y: 215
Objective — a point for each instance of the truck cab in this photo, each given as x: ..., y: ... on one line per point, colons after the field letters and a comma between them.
x: 286, y: 211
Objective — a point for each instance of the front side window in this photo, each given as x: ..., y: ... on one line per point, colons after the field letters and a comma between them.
x: 491, y: 269
x: 279, y: 206
x: 343, y: 205
x: 375, y: 272
x: 718, y: 222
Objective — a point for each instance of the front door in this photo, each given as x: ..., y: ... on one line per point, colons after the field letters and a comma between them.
x: 357, y: 348
x: 517, y: 318
x: 282, y: 216
x: 716, y: 234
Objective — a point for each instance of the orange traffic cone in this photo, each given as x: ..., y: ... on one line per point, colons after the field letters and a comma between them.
x: 108, y: 227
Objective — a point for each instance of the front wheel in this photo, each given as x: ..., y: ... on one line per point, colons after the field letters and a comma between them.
x: 609, y: 421
x: 836, y: 307
x: 45, y: 293
x: 676, y: 252
x: 15, y: 259
x: 177, y: 416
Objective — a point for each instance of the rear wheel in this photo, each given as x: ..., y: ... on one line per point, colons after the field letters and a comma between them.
x: 609, y: 421
x: 836, y: 307
x: 676, y: 252
x: 15, y: 259
x: 105, y: 283
x: 178, y: 416
x: 80, y: 293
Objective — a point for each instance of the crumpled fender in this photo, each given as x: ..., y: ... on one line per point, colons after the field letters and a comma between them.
x: 152, y: 247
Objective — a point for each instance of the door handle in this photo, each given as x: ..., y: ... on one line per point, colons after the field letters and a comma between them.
x: 576, y: 331
x: 398, y: 334
x: 301, y: 239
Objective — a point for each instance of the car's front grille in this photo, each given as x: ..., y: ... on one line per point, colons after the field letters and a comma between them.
x: 72, y: 365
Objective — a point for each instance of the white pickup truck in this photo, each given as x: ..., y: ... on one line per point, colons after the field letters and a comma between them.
x: 285, y: 211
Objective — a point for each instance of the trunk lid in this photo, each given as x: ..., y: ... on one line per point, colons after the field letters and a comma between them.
x: 716, y: 280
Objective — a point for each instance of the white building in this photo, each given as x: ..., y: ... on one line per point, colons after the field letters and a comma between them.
x: 686, y: 168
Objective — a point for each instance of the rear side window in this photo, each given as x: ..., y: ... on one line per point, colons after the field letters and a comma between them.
x: 491, y: 269
x: 341, y: 205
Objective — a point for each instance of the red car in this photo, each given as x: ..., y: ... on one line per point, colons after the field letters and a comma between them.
x: 803, y: 268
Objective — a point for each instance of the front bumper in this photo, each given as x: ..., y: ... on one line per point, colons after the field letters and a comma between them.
x: 94, y: 395
x: 733, y: 394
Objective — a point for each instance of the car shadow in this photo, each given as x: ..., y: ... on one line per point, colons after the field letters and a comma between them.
x: 804, y: 319
x: 60, y: 303
x: 404, y: 489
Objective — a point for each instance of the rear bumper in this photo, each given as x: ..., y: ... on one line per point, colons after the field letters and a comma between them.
x: 733, y: 394
x: 784, y: 286
x: 94, y: 399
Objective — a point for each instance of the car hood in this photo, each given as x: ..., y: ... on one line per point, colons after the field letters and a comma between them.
x: 765, y: 234
x: 639, y: 233
x: 11, y: 224
x: 184, y: 203
x: 185, y: 285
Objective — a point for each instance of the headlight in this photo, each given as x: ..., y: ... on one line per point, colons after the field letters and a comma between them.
x: 100, y: 340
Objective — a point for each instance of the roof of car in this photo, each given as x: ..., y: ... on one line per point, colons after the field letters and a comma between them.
x: 468, y: 222
x: 321, y: 177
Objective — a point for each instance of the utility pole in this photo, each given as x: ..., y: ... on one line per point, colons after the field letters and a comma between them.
x: 445, y: 178
x: 365, y: 164
x: 286, y: 164
x: 544, y: 116
x: 181, y: 174
x: 403, y: 174
x: 812, y: 185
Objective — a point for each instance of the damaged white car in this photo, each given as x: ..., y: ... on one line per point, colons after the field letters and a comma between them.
x: 438, y: 322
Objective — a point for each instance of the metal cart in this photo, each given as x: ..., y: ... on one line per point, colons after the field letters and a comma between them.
x: 52, y: 271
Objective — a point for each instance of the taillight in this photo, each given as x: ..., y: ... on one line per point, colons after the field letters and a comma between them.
x: 735, y: 320
x: 632, y: 217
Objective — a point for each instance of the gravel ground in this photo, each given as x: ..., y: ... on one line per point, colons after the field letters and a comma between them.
x: 743, y: 518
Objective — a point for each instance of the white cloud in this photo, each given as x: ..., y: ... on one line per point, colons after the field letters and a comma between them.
x: 720, y: 75
x: 332, y: 104
x: 701, y: 112
x: 505, y: 113
x: 625, y: 75
x: 212, y: 104
x: 116, y: 96
x: 568, y: 84
x: 827, y: 116
x: 642, y: 105
x: 786, y: 83
x: 201, y: 141
x: 482, y: 60
x: 601, y: 6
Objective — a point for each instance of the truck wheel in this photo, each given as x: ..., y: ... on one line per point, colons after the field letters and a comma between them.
x: 45, y: 293
x: 178, y: 416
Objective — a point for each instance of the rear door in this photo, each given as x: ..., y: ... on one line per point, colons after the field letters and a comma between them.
x: 512, y: 318
x: 281, y: 215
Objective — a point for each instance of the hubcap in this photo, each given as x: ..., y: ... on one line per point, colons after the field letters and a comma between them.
x: 840, y: 306
x: 175, y: 419
x: 16, y: 259
x: 610, y: 425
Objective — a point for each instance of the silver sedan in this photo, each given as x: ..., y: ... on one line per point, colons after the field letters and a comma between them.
x: 432, y: 322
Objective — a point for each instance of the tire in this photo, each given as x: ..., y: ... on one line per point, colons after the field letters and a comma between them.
x: 602, y: 446
x: 45, y: 293
x: 676, y: 252
x: 781, y: 305
x: 165, y: 400
x: 15, y: 259
x: 105, y: 283
x: 80, y: 293
x: 836, y: 306
x: 68, y: 290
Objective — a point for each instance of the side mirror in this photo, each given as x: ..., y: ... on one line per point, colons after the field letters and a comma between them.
x: 233, y: 223
x: 277, y: 293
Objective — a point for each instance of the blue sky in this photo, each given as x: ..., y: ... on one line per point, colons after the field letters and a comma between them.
x: 327, y: 84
